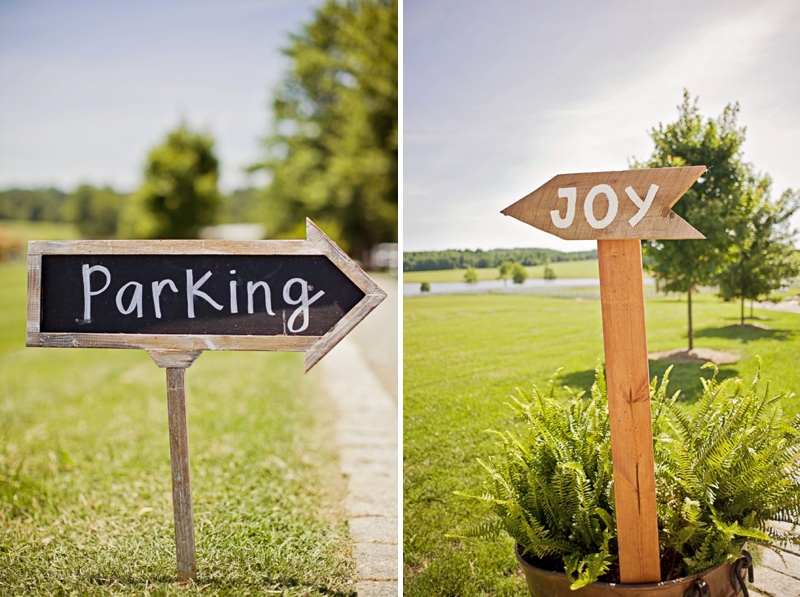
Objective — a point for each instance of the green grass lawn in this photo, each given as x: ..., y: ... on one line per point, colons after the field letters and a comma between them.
x: 464, y: 355
x: 25, y: 230
x: 85, y: 486
x: 563, y: 269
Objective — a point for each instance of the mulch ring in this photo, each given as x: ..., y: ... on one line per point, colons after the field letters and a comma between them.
x: 696, y: 355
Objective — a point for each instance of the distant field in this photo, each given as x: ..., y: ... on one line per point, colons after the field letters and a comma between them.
x: 563, y: 269
x: 25, y: 230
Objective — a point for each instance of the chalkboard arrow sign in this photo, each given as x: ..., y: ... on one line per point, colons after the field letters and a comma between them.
x: 191, y: 295
x: 631, y: 204
x: 619, y: 209
x: 177, y: 298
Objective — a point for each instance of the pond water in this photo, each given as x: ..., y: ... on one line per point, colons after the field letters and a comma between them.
x: 413, y: 289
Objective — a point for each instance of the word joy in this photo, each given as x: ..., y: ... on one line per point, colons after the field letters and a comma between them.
x: 193, y: 292
x: 571, y: 195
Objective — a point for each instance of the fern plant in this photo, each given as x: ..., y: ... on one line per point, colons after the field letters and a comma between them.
x: 723, y: 470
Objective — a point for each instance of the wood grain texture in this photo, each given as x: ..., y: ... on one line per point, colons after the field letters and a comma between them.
x: 173, y: 359
x: 172, y: 247
x: 658, y: 222
x: 174, y: 342
x: 625, y: 342
x: 181, y: 481
x: 34, y: 307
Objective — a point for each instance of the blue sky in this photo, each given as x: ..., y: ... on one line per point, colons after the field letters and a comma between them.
x: 501, y: 96
x: 88, y: 87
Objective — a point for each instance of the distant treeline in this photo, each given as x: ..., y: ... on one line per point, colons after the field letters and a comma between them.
x: 37, y: 205
x: 417, y: 261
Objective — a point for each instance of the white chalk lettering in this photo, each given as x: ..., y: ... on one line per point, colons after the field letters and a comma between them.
x: 643, y: 206
x: 234, y: 303
x: 88, y: 293
x: 136, y: 299
x: 301, y: 300
x: 588, y: 206
x: 193, y: 290
x: 251, y: 290
x: 571, y: 195
x: 157, y: 288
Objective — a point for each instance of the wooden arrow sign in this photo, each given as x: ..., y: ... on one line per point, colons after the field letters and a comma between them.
x: 598, y: 205
x: 618, y: 209
x: 193, y: 295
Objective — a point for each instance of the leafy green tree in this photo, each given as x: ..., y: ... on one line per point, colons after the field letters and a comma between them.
x: 425, y: 287
x: 179, y: 194
x: 333, y: 154
x: 519, y: 274
x: 94, y: 211
x: 763, y: 257
x: 712, y: 204
x: 505, y: 270
x: 549, y: 273
x: 471, y: 275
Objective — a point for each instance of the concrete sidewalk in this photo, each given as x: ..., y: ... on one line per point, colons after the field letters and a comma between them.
x: 359, y: 374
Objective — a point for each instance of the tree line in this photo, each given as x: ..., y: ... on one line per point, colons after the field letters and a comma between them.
x: 466, y: 258
x: 332, y: 152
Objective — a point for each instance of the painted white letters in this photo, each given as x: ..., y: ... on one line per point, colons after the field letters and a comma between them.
x: 88, y: 293
x: 157, y: 288
x: 193, y: 290
x: 588, y: 206
x: 301, y: 300
x: 643, y: 206
x: 571, y: 195
x: 251, y: 290
x: 136, y: 299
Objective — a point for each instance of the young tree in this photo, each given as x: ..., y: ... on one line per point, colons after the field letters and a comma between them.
x: 179, y: 194
x: 94, y: 211
x: 763, y: 257
x: 712, y: 204
x: 549, y: 273
x: 519, y: 274
x: 333, y: 154
x: 505, y: 270
x: 471, y: 275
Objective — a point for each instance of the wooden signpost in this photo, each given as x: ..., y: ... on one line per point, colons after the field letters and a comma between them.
x: 619, y: 209
x: 177, y: 298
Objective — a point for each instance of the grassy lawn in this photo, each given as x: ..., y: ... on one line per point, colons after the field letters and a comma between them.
x: 85, y: 486
x: 563, y: 269
x: 25, y: 230
x: 464, y: 355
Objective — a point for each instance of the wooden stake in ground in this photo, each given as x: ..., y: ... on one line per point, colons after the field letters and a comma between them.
x: 176, y: 364
x: 628, y: 383
x: 618, y: 209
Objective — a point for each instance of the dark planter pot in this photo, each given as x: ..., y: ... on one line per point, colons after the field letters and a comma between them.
x: 721, y: 581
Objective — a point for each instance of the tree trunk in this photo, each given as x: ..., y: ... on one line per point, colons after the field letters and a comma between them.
x: 742, y: 312
x: 691, y: 338
x: 751, y: 309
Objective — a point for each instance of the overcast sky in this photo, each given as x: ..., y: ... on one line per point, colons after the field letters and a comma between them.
x: 501, y: 96
x: 88, y: 87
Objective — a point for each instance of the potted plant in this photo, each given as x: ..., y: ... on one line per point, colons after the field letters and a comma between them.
x: 724, y: 469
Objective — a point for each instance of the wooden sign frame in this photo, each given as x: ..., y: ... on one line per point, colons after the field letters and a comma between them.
x: 315, y: 347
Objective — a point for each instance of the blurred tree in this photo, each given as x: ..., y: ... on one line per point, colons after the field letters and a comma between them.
x: 519, y: 274
x: 471, y: 275
x: 763, y: 257
x: 504, y: 271
x: 179, y: 194
x: 712, y: 204
x: 94, y: 211
x: 549, y: 273
x: 333, y: 154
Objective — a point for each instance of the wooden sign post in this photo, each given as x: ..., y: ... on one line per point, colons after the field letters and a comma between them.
x: 618, y: 209
x: 177, y: 298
